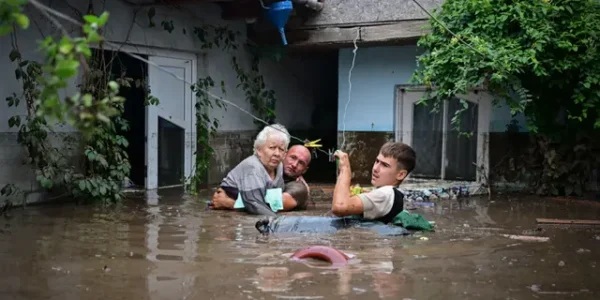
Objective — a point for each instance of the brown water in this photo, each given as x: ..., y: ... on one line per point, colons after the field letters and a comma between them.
x: 178, y: 250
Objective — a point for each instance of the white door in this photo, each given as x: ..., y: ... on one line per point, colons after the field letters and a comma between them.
x: 176, y: 106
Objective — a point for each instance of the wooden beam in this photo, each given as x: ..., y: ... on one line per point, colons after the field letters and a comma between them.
x: 403, y: 32
x: 567, y: 221
x: 390, y: 32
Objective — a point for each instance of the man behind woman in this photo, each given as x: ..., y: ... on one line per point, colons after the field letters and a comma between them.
x: 257, y: 183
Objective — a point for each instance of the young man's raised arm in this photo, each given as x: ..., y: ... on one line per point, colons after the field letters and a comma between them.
x: 343, y: 203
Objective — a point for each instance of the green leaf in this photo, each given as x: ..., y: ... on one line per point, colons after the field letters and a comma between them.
x: 113, y: 86
x: 46, y: 183
x: 87, y: 100
x: 5, y: 29
x: 14, y: 55
x: 66, y: 68
x: 93, y: 37
x: 65, y: 46
x: 84, y: 49
x: 103, y: 118
x: 90, y: 19
x: 103, y: 18
x: 22, y: 20
x: 14, y: 121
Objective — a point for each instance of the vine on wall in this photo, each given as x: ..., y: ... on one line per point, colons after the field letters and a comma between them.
x: 95, y: 111
x: 251, y: 82
x: 205, y: 128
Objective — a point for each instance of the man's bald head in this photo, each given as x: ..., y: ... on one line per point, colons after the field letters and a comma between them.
x: 296, y: 161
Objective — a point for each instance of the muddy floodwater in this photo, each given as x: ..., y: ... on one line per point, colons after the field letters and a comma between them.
x: 175, y: 249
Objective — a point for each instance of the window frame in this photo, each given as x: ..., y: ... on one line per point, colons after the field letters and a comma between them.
x: 405, y: 97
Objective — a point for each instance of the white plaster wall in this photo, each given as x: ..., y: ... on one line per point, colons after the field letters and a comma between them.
x: 294, y: 97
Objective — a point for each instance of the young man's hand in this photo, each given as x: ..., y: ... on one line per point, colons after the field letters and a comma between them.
x: 344, y: 161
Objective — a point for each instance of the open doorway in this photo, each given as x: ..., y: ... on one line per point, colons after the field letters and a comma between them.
x: 127, y: 66
x: 171, y: 153
x: 324, y: 117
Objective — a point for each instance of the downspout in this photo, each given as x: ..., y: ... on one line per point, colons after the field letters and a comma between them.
x: 316, y: 5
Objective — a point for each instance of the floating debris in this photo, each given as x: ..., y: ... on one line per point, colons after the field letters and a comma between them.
x: 527, y: 238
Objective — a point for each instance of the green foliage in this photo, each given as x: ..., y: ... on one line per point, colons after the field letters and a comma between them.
x: 206, y: 128
x: 63, y: 59
x: 541, y: 57
x: 106, y: 163
x: 95, y: 111
x: 216, y: 36
x: 252, y: 82
x: 210, y: 36
x: 11, y: 14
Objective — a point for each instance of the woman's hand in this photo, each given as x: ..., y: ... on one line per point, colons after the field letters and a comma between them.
x: 220, y: 200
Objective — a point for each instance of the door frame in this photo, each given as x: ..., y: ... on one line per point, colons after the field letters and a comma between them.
x: 403, y: 122
x: 153, y: 113
x: 189, y: 138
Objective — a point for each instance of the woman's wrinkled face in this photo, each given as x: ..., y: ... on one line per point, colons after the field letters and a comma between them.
x: 271, y: 153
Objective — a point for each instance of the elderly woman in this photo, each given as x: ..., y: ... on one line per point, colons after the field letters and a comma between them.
x: 250, y: 181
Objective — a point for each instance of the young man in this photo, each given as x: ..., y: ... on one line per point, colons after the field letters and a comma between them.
x: 393, y: 164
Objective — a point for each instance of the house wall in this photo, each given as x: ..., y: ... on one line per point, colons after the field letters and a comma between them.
x: 129, y: 25
x: 369, y: 119
x: 344, y: 12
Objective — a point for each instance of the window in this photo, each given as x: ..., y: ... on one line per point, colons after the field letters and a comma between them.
x: 443, y: 153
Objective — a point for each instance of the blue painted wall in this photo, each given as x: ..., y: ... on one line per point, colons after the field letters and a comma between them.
x: 376, y: 71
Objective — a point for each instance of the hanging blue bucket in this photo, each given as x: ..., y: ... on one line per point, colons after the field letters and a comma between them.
x: 278, y: 13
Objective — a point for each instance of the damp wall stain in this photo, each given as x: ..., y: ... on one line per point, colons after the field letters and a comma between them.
x: 230, y: 148
x: 363, y: 147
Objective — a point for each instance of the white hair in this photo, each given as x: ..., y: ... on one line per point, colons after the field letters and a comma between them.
x: 273, y: 131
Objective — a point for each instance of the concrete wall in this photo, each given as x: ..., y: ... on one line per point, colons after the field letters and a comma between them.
x: 369, y: 119
x: 129, y: 25
x: 345, y: 12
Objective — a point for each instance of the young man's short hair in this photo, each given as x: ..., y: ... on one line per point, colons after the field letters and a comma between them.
x: 299, y: 192
x: 403, y: 153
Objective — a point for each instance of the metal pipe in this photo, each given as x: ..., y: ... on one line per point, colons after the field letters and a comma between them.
x: 312, y: 4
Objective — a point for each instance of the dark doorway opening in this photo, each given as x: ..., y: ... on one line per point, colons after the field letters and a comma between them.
x: 124, y: 65
x: 324, y: 119
x: 171, y: 153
